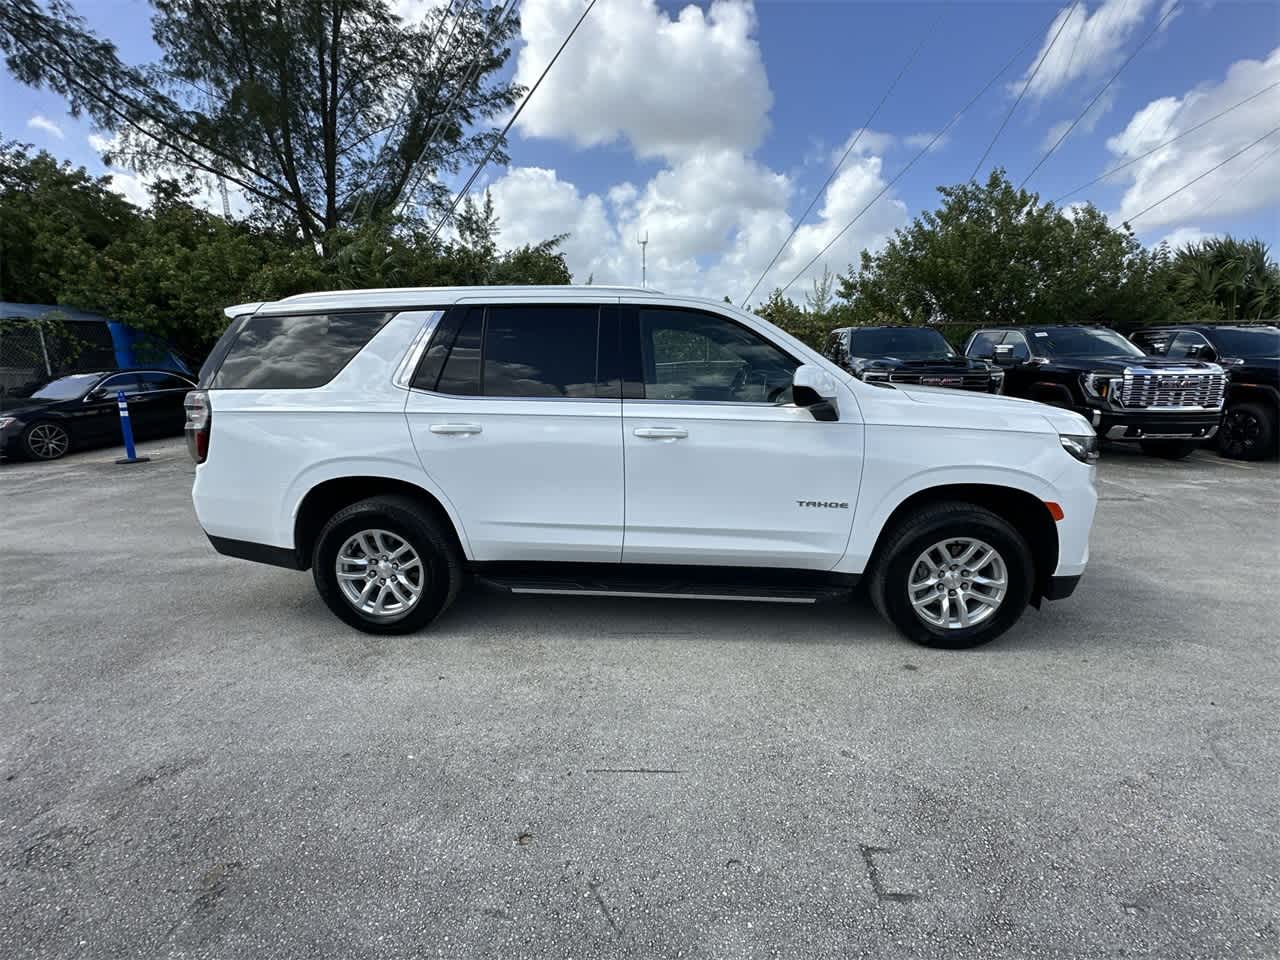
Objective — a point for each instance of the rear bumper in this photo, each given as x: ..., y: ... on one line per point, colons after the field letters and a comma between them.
x: 257, y: 552
x: 1123, y: 425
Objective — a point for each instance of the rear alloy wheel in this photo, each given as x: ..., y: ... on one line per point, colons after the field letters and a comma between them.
x: 1170, y: 449
x: 1248, y: 432
x: 954, y: 575
x: 384, y: 565
x: 46, y: 441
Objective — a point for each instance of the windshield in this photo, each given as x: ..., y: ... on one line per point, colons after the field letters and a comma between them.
x: 1261, y: 342
x: 1082, y: 342
x: 905, y: 343
x: 66, y: 388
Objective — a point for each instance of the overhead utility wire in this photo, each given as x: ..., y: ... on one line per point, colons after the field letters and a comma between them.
x: 1160, y: 146
x: 418, y: 170
x: 520, y: 109
x: 936, y: 137
x: 821, y: 190
x: 1021, y: 93
x: 408, y: 95
x: 1216, y: 166
x: 1097, y: 96
x: 1244, y: 176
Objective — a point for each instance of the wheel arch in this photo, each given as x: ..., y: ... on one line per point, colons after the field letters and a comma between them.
x: 1021, y: 509
x: 326, y: 498
x: 1253, y: 393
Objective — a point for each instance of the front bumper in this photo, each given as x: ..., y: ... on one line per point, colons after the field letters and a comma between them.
x: 1141, y: 425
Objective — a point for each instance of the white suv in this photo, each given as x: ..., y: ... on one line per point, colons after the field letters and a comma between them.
x: 591, y: 440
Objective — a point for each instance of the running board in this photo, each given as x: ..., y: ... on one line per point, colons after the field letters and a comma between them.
x: 750, y: 584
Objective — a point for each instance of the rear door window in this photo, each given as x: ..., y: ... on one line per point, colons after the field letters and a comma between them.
x: 538, y: 351
x: 154, y: 380
x: 295, y: 352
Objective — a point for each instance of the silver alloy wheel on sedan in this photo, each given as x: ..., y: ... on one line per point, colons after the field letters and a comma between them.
x: 957, y: 583
x: 380, y: 574
x: 48, y: 441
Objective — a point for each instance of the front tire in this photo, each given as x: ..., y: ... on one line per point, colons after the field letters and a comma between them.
x: 1170, y: 449
x: 1248, y: 432
x: 46, y: 440
x: 954, y: 575
x: 384, y: 565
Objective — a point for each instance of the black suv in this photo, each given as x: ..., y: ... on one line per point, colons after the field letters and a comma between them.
x: 909, y: 355
x: 1250, y: 353
x: 1168, y: 406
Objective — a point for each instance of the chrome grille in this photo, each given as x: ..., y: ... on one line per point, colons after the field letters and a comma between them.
x: 1194, y: 390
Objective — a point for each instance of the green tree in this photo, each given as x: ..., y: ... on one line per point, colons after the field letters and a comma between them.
x: 1226, y: 280
x: 993, y: 254
x: 325, y: 113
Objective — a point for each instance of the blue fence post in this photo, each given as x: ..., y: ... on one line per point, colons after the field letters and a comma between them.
x: 131, y: 455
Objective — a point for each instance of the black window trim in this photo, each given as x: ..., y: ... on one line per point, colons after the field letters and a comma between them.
x: 600, y: 307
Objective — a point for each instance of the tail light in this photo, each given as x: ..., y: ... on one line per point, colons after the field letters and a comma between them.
x: 199, y: 424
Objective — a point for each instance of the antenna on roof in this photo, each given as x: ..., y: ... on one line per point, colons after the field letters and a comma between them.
x: 644, y: 265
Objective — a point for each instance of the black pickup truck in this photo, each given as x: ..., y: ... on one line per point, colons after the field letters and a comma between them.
x: 1250, y: 354
x: 909, y: 355
x: 1168, y: 406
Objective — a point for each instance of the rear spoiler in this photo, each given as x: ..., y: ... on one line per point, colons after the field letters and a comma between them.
x: 240, y: 309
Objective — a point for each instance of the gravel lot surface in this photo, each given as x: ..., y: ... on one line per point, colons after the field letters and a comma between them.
x: 198, y: 760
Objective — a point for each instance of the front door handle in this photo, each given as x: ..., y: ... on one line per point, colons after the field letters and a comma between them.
x: 456, y: 429
x: 662, y: 433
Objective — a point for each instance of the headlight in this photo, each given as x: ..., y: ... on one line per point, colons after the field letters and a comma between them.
x: 5, y: 421
x: 1084, y: 447
x: 1103, y: 386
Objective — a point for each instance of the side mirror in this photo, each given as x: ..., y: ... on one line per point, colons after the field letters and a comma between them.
x: 1003, y: 355
x: 97, y: 393
x: 1202, y: 352
x: 814, y: 388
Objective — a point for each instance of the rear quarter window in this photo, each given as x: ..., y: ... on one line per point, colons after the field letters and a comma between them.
x: 294, y: 352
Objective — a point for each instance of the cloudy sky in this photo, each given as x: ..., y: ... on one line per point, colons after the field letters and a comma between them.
x: 710, y: 127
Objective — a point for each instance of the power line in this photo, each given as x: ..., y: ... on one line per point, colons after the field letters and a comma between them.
x: 927, y: 147
x: 417, y: 172
x: 821, y: 190
x: 1098, y: 96
x: 408, y: 95
x: 502, y: 136
x: 1244, y: 176
x: 1160, y: 146
x: 1216, y: 166
x: 1021, y: 93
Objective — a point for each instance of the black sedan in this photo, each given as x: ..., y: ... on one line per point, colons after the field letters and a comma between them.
x: 79, y: 411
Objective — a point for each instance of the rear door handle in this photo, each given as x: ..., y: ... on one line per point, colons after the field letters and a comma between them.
x: 456, y: 429
x: 662, y: 433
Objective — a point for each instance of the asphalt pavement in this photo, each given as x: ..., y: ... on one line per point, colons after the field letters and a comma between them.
x: 198, y: 760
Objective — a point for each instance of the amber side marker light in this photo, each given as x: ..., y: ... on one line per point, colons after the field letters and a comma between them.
x: 1055, y: 510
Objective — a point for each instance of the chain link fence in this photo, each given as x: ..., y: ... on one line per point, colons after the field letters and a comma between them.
x: 33, y: 351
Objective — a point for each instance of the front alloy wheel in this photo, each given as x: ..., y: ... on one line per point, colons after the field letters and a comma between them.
x: 958, y: 583
x: 1248, y: 432
x: 47, y: 441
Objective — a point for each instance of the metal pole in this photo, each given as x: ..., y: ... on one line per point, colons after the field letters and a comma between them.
x: 644, y: 264
x: 48, y: 368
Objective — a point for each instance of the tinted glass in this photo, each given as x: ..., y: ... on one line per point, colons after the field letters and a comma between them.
x: 1153, y: 343
x: 277, y: 353
x: 541, y: 351
x: 461, y: 374
x: 163, y: 381
x: 1186, y: 344
x: 984, y: 344
x: 1020, y: 350
x: 126, y: 383
x: 905, y: 343
x: 1259, y: 342
x: 1082, y: 342
x: 698, y: 356
x: 433, y: 358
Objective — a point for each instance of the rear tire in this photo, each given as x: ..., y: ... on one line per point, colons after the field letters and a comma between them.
x: 1170, y: 449
x: 1248, y: 432
x: 943, y: 523
x: 401, y: 524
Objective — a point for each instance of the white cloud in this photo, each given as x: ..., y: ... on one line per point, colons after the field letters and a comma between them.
x: 134, y: 187
x: 39, y: 122
x: 919, y: 140
x: 669, y: 87
x: 1249, y: 182
x: 411, y: 11
x: 1090, y: 45
x: 1183, y: 236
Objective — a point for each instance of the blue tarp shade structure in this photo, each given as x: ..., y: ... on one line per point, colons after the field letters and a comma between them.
x: 126, y: 343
